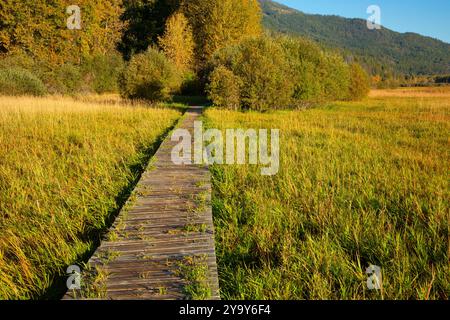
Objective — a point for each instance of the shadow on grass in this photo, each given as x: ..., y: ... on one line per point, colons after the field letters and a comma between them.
x: 192, y: 100
x: 58, y: 288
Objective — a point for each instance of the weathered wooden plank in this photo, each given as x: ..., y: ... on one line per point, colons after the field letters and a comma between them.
x: 169, y: 227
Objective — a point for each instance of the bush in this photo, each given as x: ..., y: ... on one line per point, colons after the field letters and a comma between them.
x: 17, y: 60
x: 263, y: 68
x: 69, y: 78
x: 16, y: 81
x: 335, y: 77
x: 306, y: 60
x: 103, y: 71
x: 281, y: 73
x: 318, y: 75
x: 150, y: 75
x: 359, y: 82
x: 98, y: 73
x: 224, y: 88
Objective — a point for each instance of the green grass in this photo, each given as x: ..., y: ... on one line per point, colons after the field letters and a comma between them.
x: 359, y: 183
x: 194, y: 271
x: 66, y: 168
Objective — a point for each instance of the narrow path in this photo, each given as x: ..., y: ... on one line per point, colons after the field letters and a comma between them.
x: 162, y: 245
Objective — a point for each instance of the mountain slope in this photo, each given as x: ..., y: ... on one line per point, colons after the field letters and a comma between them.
x: 383, y: 51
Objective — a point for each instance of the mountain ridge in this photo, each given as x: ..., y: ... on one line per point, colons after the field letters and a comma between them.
x: 384, y: 52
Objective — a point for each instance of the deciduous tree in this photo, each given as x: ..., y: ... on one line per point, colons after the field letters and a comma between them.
x: 177, y: 42
x: 220, y: 23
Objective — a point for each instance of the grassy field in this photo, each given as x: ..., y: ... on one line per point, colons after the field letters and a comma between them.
x: 360, y: 183
x: 66, y: 167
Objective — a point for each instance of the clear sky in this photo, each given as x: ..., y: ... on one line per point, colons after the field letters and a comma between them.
x: 426, y: 17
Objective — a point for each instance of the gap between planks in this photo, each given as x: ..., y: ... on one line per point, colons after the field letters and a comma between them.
x: 166, y: 224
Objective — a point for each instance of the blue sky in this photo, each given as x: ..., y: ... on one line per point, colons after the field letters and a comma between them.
x: 427, y: 17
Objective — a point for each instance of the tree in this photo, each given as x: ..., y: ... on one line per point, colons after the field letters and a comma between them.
x: 335, y: 76
x: 177, y: 42
x: 305, y: 59
x: 220, y: 23
x: 359, y: 82
x: 150, y: 75
x: 144, y: 22
x: 39, y: 29
x: 280, y: 73
x: 224, y: 88
x: 263, y: 68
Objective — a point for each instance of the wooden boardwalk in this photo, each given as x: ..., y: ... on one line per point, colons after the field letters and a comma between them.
x: 161, y: 246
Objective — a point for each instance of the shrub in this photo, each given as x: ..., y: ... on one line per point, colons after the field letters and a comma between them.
x: 224, y: 88
x: 305, y: 61
x: 150, y: 75
x: 18, y: 59
x: 16, y: 81
x: 69, y: 77
x: 281, y: 73
x: 263, y: 68
x: 103, y: 72
x: 335, y: 77
x: 359, y: 82
x: 60, y: 79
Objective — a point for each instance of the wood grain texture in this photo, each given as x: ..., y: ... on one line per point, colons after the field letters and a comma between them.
x: 169, y: 221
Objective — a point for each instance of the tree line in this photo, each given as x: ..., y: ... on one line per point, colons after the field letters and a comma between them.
x: 155, y: 49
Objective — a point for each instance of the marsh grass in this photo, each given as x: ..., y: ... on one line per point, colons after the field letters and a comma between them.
x: 360, y: 183
x: 194, y: 271
x: 66, y: 168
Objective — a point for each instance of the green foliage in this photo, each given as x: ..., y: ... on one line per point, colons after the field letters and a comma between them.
x: 317, y: 75
x: 336, y: 77
x: 151, y: 76
x: 178, y: 42
x: 224, y: 88
x: 359, y: 82
x: 384, y: 52
x: 98, y: 73
x: 67, y: 77
x: 191, y: 85
x: 279, y: 73
x: 144, y: 22
x: 220, y: 23
x: 304, y: 64
x: 15, y: 81
x: 104, y: 72
x: 262, y: 66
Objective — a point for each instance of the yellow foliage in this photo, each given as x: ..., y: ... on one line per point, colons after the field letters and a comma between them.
x: 218, y: 24
x: 178, y: 41
x: 40, y: 28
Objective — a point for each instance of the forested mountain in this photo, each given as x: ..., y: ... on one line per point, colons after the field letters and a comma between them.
x: 384, y: 52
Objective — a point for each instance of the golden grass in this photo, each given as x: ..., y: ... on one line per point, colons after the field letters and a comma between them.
x: 419, y: 92
x: 360, y: 183
x: 66, y: 166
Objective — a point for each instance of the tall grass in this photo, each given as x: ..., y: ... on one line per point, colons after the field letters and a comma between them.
x: 360, y: 183
x: 65, y: 168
